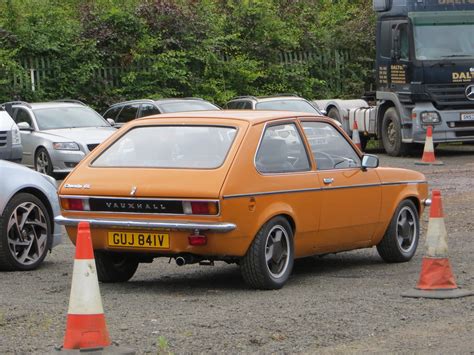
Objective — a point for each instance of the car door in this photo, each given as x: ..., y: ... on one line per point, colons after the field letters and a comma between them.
x: 128, y: 113
x: 28, y: 137
x: 148, y: 110
x: 350, y: 196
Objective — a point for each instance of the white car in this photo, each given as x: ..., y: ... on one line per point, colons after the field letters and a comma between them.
x: 57, y: 135
x: 10, y: 139
x: 28, y: 205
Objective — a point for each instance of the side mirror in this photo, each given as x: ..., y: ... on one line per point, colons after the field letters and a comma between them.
x: 24, y: 126
x: 323, y: 112
x: 111, y: 121
x: 369, y: 161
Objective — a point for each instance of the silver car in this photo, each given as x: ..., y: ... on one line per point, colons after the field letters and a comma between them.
x: 57, y: 135
x: 28, y: 205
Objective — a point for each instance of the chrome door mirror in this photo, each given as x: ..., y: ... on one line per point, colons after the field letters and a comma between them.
x: 369, y: 161
x: 24, y: 126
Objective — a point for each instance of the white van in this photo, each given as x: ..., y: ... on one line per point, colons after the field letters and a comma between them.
x: 10, y: 139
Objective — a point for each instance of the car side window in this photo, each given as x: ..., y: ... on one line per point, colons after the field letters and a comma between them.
x: 329, y: 147
x: 234, y: 105
x: 281, y: 150
x: 112, y: 112
x: 128, y: 113
x: 21, y: 115
x: 247, y: 105
x: 148, y: 110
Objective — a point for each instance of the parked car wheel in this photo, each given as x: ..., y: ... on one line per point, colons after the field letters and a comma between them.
x: 401, y: 238
x: 25, y: 233
x: 43, y: 163
x: 269, y: 260
x: 115, y: 267
x: 392, y: 134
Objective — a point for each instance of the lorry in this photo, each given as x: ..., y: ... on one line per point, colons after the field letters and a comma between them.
x: 424, y: 76
x: 10, y: 139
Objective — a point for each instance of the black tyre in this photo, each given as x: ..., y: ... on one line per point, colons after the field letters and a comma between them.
x: 25, y: 233
x: 401, y: 238
x: 43, y: 163
x: 392, y: 134
x: 115, y: 267
x: 269, y: 260
x: 363, y: 142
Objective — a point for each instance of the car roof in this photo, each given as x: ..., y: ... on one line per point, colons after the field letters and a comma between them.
x: 251, y: 116
x: 52, y: 104
x: 159, y: 101
x: 269, y: 98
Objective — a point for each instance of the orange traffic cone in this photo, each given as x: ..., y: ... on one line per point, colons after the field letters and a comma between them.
x: 85, y: 327
x: 355, y: 135
x: 428, y: 157
x: 436, y: 277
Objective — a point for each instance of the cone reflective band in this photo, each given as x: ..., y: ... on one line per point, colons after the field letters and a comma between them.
x: 85, y: 326
x: 355, y: 135
x: 436, y: 276
x: 428, y: 157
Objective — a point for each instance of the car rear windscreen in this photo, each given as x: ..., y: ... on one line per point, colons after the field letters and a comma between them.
x: 191, y: 147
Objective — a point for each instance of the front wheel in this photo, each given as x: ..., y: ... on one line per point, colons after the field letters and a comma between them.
x: 43, y: 163
x: 269, y: 260
x: 392, y: 134
x: 401, y: 238
x: 115, y: 267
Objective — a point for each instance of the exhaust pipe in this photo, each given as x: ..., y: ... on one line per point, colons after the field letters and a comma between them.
x: 186, y: 259
x: 180, y: 261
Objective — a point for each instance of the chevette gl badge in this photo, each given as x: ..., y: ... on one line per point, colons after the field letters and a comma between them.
x: 470, y: 92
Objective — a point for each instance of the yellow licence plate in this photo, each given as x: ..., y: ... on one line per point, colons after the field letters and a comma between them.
x: 139, y: 240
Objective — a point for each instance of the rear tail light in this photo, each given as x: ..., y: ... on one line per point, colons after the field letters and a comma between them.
x: 75, y: 204
x: 200, y: 207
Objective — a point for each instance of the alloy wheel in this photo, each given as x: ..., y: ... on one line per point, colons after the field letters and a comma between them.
x: 277, y: 251
x: 42, y: 162
x: 27, y: 233
x: 406, y: 229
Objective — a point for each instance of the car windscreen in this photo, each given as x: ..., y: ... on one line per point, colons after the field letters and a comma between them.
x: 184, y: 147
x: 68, y: 117
x: 183, y: 106
x: 287, y: 105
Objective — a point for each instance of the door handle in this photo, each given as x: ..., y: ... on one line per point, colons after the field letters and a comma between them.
x: 328, y: 180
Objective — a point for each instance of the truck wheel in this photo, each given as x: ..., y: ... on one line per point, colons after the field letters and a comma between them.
x: 115, y: 267
x: 269, y: 260
x: 392, y: 134
x: 401, y: 238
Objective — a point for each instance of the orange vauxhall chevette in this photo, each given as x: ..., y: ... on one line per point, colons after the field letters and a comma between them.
x: 256, y: 188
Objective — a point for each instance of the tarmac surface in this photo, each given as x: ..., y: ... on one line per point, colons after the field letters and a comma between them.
x: 344, y: 303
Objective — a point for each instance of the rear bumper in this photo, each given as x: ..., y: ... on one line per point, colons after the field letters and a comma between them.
x: 173, y: 225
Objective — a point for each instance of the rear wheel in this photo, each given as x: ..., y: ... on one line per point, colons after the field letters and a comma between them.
x: 392, y: 134
x: 115, y: 267
x: 25, y: 233
x: 401, y: 238
x: 269, y: 260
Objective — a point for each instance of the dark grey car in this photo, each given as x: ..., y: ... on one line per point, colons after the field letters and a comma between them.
x: 123, y: 112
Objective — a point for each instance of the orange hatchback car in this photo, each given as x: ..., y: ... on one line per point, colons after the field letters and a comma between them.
x: 256, y: 188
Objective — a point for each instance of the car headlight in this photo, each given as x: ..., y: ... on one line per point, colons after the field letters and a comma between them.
x: 16, y: 137
x: 65, y: 146
x: 430, y: 117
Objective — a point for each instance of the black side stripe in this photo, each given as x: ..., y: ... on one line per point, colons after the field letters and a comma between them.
x: 281, y: 192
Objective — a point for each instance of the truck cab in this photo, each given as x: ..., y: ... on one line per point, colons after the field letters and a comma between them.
x: 425, y: 71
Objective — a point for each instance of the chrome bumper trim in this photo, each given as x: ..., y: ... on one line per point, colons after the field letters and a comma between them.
x: 215, y: 227
x: 427, y: 202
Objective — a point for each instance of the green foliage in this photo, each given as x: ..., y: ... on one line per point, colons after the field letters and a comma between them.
x: 214, y: 49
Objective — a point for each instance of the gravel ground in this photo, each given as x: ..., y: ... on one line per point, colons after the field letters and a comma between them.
x: 349, y: 302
